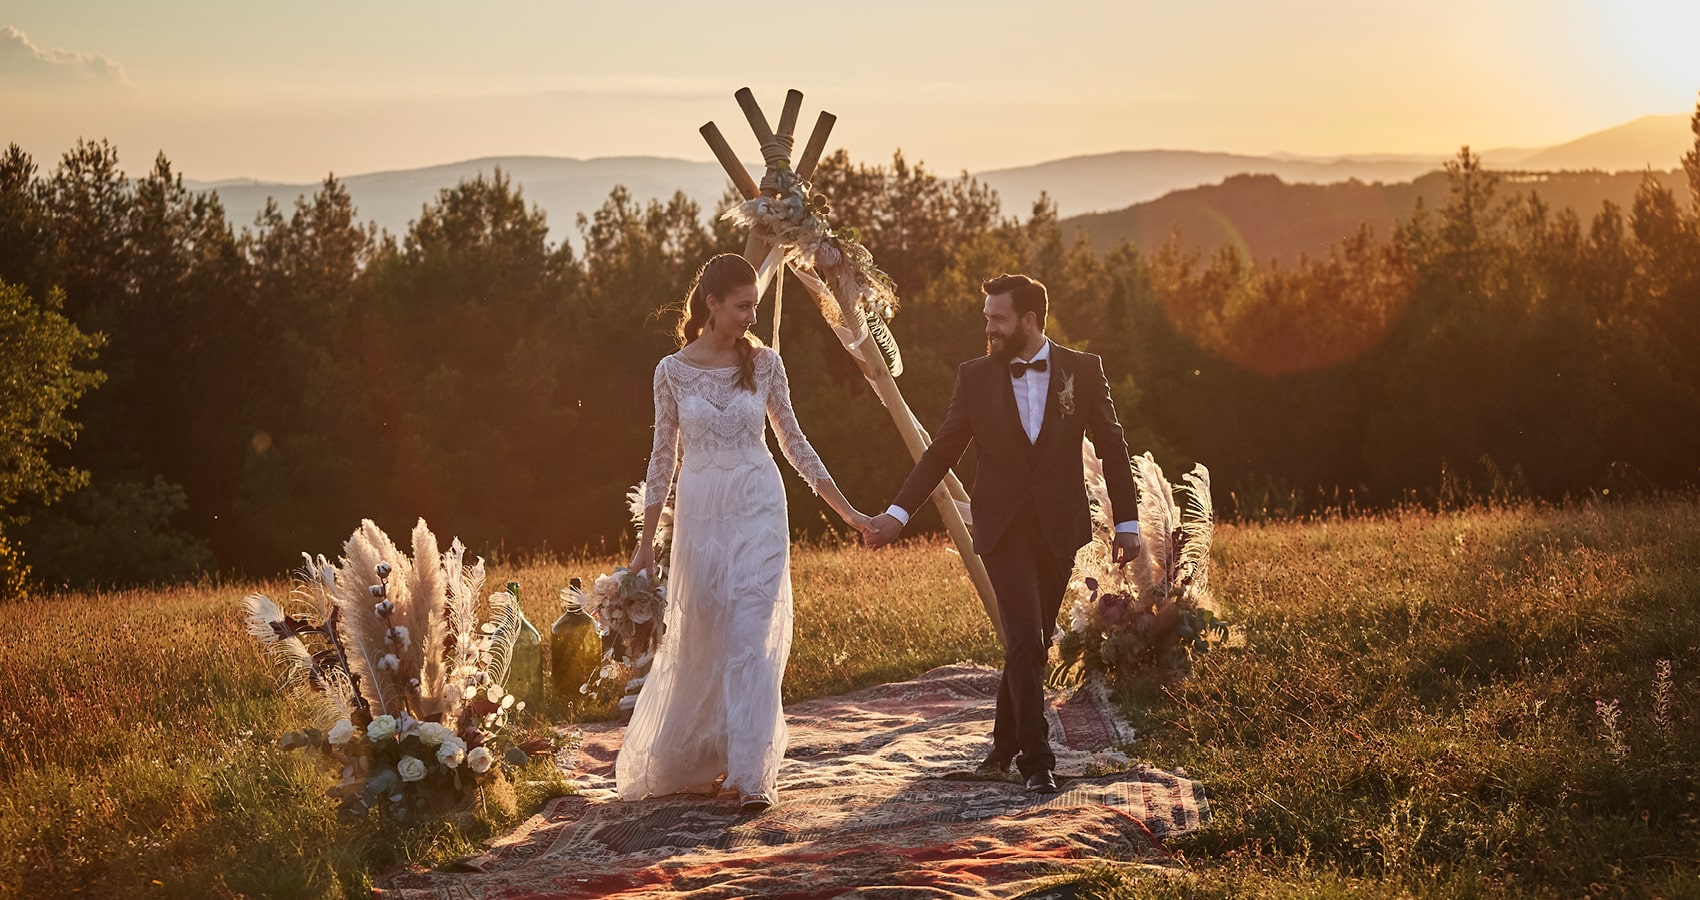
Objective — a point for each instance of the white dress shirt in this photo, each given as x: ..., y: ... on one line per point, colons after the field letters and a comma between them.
x: 1031, y: 391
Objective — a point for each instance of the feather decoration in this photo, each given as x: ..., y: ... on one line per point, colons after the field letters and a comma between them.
x: 426, y: 622
x: 299, y: 645
x: 463, y: 639
x: 503, y: 625
x: 364, y: 631
x: 1197, y: 530
x: 885, y: 340
x: 1158, y: 521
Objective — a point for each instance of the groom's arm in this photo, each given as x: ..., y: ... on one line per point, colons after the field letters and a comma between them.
x: 1107, y: 438
x: 947, y: 448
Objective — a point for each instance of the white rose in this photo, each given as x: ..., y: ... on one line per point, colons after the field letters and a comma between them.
x: 383, y: 727
x: 478, y: 759
x: 341, y: 733
x: 433, y: 734
x: 410, y: 768
x: 452, y: 752
x: 607, y: 587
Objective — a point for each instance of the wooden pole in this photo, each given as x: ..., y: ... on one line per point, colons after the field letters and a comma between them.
x: 854, y: 336
x: 788, y: 115
x: 729, y: 160
x: 758, y: 121
x: 816, y: 145
x: 950, y: 498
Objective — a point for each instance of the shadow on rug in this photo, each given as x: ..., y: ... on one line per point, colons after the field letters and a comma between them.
x: 877, y: 798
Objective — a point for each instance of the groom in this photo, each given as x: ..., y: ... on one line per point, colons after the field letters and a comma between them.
x: 1026, y: 404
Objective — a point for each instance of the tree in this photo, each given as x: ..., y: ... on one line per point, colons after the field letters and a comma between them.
x: 40, y: 382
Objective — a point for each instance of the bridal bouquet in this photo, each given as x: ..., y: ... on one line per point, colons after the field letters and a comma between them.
x: 1156, y: 612
x: 403, y: 665
x: 628, y: 607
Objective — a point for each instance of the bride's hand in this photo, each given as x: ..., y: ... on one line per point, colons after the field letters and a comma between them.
x: 643, y: 560
x: 861, y: 523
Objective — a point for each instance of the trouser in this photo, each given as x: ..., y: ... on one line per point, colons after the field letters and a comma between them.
x: 1030, y: 578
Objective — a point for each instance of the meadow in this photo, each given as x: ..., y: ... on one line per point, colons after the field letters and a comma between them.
x: 1496, y: 701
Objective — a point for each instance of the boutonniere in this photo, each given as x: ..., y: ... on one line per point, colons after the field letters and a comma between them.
x: 1065, y: 397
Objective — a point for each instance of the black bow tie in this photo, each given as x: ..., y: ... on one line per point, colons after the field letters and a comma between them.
x: 1017, y: 368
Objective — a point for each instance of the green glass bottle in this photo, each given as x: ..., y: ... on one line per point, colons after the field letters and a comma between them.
x: 575, y: 653
x: 525, y: 669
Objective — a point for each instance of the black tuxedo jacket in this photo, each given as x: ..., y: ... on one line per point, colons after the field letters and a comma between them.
x: 1013, y: 470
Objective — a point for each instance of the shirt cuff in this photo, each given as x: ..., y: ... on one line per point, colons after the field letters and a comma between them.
x: 898, y: 513
x: 1127, y: 527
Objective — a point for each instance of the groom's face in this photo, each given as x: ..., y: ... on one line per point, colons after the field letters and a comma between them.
x: 1006, y: 333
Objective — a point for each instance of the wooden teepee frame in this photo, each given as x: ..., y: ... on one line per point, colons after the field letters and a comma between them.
x: 836, y: 286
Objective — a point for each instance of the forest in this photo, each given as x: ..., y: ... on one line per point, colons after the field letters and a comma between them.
x: 184, y: 394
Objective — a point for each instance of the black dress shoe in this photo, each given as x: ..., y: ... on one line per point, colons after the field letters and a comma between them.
x: 995, y: 763
x: 1042, y: 782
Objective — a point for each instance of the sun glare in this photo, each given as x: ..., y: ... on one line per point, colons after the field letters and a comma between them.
x: 1659, y: 39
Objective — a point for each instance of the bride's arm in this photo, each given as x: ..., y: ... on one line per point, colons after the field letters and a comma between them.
x: 663, y: 461
x: 800, y: 452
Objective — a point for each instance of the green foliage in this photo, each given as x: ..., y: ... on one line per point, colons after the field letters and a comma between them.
x: 40, y: 382
x: 14, y: 571
x: 115, y: 534
x: 309, y: 371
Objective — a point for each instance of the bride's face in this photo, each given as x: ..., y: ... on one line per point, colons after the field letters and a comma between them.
x: 735, y: 313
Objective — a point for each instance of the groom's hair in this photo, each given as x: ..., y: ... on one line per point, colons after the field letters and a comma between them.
x: 1028, y: 295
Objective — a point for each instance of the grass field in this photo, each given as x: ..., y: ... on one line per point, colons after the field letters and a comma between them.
x: 1449, y: 705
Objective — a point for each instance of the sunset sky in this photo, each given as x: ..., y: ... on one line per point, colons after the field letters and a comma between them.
x: 291, y: 91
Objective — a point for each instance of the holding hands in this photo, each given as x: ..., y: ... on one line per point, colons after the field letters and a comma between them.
x: 882, y: 530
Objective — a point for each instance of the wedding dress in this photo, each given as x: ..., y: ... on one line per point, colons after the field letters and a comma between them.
x: 711, y: 703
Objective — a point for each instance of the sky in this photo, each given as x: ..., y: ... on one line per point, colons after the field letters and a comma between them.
x: 295, y: 91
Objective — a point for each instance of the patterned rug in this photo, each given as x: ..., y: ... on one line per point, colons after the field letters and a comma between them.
x: 877, y: 798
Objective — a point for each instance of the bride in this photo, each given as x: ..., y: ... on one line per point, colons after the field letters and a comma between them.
x: 711, y: 704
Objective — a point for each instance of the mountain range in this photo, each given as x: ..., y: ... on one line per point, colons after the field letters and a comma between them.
x: 1098, y: 188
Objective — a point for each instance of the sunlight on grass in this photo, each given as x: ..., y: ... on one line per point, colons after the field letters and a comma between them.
x: 1411, y: 711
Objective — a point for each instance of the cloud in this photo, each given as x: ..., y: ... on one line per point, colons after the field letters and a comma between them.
x: 23, y: 63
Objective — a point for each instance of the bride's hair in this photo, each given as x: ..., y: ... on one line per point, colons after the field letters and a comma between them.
x: 718, y: 277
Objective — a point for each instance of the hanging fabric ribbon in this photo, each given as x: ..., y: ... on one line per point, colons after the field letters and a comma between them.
x: 778, y: 304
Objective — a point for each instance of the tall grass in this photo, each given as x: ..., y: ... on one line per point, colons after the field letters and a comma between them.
x: 1419, y: 707
x: 137, y: 728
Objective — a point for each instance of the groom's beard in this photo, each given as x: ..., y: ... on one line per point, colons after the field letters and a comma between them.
x: 1001, y: 348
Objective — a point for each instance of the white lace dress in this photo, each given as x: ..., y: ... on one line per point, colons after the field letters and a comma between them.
x: 711, y: 704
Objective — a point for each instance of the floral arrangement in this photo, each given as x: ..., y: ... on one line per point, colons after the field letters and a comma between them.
x: 628, y: 607
x: 403, y: 666
x: 1155, y: 613
x: 791, y: 214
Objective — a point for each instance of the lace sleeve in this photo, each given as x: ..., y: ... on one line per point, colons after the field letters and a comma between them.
x: 791, y: 440
x: 664, y: 455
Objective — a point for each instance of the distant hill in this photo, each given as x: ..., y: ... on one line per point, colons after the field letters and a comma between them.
x: 562, y: 187
x: 1657, y: 142
x: 1271, y: 219
x: 1084, y: 184
x: 565, y: 188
